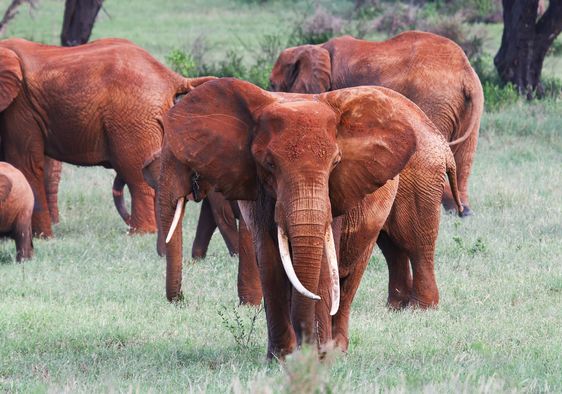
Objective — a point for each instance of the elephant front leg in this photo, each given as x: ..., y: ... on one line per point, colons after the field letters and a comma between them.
x: 276, y: 287
x: 249, y: 286
x: 225, y: 220
x: 205, y: 228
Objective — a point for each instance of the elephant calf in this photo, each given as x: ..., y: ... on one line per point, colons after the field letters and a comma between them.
x: 16, y: 208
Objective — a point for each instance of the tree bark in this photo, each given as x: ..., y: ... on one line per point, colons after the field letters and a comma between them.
x: 525, y: 42
x: 79, y: 18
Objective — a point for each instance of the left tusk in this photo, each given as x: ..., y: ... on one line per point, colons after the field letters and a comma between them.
x: 175, y: 221
x: 330, y: 250
x: 283, y: 241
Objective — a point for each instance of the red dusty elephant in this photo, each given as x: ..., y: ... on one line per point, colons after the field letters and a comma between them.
x: 216, y: 211
x: 95, y: 104
x: 430, y: 70
x: 296, y: 162
x: 16, y: 208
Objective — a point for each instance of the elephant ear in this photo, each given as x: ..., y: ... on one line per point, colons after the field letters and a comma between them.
x: 5, y: 187
x: 302, y: 69
x: 211, y: 131
x: 151, y: 169
x: 10, y: 77
x: 376, y: 140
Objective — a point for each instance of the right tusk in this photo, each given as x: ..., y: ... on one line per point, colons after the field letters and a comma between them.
x: 288, y: 265
x: 330, y: 250
x: 175, y: 221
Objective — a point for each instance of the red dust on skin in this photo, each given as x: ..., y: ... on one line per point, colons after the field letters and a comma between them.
x: 243, y: 140
x: 430, y: 70
x: 98, y: 104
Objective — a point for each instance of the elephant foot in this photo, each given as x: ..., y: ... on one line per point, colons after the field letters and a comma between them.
x: 419, y: 303
x: 198, y: 254
x: 250, y: 299
x: 466, y: 211
x: 398, y: 299
x: 141, y: 230
x: 341, y: 342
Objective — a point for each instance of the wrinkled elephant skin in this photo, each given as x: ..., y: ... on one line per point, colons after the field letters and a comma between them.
x: 95, y: 104
x: 430, y: 70
x: 298, y: 164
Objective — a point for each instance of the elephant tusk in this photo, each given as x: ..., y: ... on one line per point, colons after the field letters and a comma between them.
x: 288, y: 265
x: 175, y: 221
x: 330, y: 250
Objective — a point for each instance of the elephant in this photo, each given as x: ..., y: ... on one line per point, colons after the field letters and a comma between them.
x: 95, y: 104
x: 430, y: 70
x: 16, y: 208
x: 216, y: 211
x: 303, y: 168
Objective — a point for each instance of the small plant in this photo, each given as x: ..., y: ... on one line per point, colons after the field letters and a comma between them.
x: 305, y: 372
x: 478, y: 247
x: 240, y: 330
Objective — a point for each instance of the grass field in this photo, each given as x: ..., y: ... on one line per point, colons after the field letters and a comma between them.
x: 88, y: 313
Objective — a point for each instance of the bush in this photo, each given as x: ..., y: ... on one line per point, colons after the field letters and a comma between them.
x: 497, y: 96
x: 316, y: 29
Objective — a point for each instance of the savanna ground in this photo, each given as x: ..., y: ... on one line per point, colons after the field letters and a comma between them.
x: 88, y: 313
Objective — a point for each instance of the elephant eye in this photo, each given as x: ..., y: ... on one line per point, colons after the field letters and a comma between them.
x: 269, y: 164
x: 336, y: 161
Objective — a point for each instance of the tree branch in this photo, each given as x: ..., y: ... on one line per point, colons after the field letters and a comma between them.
x: 12, y: 11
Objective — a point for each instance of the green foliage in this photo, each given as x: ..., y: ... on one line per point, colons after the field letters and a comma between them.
x: 182, y: 63
x: 242, y: 331
x: 497, y: 96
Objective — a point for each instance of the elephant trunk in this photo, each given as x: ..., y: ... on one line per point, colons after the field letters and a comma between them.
x: 172, y: 189
x: 306, y: 221
x: 174, y: 246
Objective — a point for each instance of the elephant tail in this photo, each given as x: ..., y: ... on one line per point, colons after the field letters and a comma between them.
x: 451, y: 169
x: 474, y: 95
x: 119, y: 199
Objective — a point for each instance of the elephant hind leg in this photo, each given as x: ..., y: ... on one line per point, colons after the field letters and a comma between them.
x: 399, y: 272
x: 142, y: 209
x: 425, y: 293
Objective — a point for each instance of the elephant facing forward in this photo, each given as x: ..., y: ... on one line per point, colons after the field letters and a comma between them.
x: 95, y: 104
x: 430, y: 70
x: 303, y: 167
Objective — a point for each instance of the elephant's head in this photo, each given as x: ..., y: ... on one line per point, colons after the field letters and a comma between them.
x: 302, y: 69
x: 315, y: 155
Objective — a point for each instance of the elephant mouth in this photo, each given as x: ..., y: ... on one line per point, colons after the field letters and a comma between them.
x: 329, y: 250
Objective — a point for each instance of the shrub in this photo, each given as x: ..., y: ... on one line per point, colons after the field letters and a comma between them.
x: 497, y: 96
x: 316, y: 29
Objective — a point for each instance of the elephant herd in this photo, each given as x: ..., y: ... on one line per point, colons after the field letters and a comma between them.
x: 350, y: 146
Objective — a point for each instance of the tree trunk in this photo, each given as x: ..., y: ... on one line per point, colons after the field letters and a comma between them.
x: 525, y: 43
x: 79, y: 18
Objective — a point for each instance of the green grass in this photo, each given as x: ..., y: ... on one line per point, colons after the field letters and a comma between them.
x: 88, y: 313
